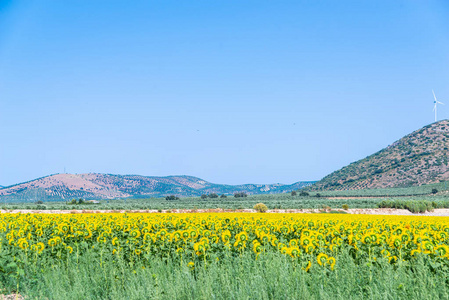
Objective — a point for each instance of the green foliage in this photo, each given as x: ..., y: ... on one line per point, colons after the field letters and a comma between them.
x: 74, y: 201
x: 434, y: 191
x: 260, y: 207
x: 240, y: 195
x: 345, y: 206
x: 293, y: 193
x: 213, y: 195
x: 203, y: 196
x: 270, y: 277
x: 171, y: 197
x: 415, y: 206
x: 223, y: 196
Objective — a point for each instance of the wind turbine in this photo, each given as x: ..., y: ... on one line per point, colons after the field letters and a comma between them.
x: 435, y: 106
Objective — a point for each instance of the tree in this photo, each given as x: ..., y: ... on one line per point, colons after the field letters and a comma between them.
x: 240, y: 195
x: 293, y: 193
x: 171, y: 197
x: 223, y: 196
x: 434, y: 191
x: 213, y: 195
x: 260, y: 207
x: 303, y: 194
x: 203, y: 196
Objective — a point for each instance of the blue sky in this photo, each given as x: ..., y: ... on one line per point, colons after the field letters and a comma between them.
x: 229, y: 91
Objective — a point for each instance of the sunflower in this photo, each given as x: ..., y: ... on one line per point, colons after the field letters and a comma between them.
x: 322, y: 259
x: 414, y: 251
x: 331, y: 261
x: 52, y: 242
x: 135, y: 233
x: 226, y: 236
x: 293, y: 243
x: 242, y: 236
x: 293, y: 251
x: 257, y: 248
x: 23, y: 244
x: 199, y: 248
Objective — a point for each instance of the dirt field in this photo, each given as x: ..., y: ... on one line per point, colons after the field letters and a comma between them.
x: 368, y: 211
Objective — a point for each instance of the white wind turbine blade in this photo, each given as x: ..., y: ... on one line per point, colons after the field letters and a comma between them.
x: 435, y: 97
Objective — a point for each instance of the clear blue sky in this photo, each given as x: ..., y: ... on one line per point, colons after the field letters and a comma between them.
x: 229, y: 91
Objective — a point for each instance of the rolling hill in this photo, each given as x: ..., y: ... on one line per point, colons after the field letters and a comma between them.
x: 108, y: 186
x: 416, y: 159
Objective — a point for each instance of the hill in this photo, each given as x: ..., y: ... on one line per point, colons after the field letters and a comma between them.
x: 108, y: 186
x: 416, y: 159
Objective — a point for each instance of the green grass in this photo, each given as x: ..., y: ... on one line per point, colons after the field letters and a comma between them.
x: 272, y: 276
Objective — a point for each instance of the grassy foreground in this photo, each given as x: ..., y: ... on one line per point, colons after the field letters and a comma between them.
x: 272, y: 276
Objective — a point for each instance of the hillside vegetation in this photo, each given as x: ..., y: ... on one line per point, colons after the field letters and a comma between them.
x: 416, y: 159
x: 107, y: 186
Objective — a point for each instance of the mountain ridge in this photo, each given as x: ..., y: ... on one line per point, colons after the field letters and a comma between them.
x: 109, y: 186
x: 418, y: 158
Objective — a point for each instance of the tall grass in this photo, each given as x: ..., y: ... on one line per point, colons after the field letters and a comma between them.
x: 272, y: 276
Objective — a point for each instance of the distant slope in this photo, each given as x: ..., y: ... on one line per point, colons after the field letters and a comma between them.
x: 416, y: 159
x: 109, y: 186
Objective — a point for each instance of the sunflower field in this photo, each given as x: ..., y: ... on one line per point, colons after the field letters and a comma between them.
x: 309, y: 243
x: 198, y: 238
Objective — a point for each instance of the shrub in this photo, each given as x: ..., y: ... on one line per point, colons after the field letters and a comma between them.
x: 240, y: 195
x: 293, y: 193
x: 213, y: 195
x: 171, y: 197
x: 318, y: 195
x: 345, y: 206
x: 223, y: 196
x: 303, y: 194
x: 434, y: 191
x: 260, y: 207
x: 39, y: 202
x: 203, y: 196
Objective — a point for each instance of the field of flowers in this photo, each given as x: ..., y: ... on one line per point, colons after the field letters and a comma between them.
x: 310, y: 240
x: 227, y: 255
